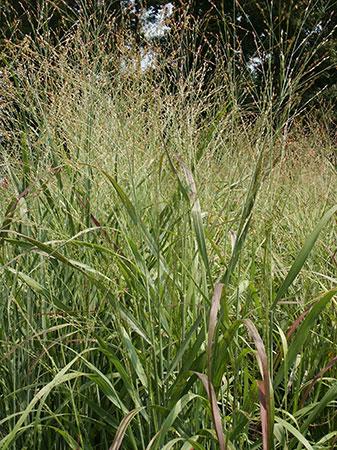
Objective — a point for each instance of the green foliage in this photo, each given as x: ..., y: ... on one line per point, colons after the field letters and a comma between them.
x: 55, y: 20
x: 167, y: 272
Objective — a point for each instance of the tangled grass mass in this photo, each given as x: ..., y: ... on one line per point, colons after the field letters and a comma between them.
x: 167, y: 259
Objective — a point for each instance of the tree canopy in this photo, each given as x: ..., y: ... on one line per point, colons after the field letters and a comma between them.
x: 291, y: 42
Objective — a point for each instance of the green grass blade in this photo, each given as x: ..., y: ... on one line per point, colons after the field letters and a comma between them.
x: 60, y: 378
x: 196, y: 216
x: 303, y: 255
x: 303, y: 332
x: 134, y: 358
x: 297, y: 434
x: 157, y: 440
x: 330, y: 395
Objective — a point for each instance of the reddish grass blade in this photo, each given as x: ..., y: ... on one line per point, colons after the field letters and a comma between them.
x: 94, y: 220
x: 210, y: 391
x: 4, y: 183
x: 263, y: 412
x: 214, y: 408
x: 293, y: 327
x: 122, y: 429
x: 212, y: 322
x: 320, y: 374
x: 291, y: 330
x: 206, y: 381
x: 303, y: 330
x: 296, y: 323
x: 264, y: 386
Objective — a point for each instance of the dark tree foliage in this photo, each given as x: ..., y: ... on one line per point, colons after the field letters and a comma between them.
x: 287, y: 41
x: 290, y: 45
x: 54, y: 17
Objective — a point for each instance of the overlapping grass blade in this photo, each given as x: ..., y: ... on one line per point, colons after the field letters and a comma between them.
x: 214, y: 408
x: 303, y: 332
x: 303, y: 255
x: 265, y: 388
x: 116, y: 445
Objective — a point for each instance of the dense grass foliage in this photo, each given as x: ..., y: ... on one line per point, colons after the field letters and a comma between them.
x: 168, y: 267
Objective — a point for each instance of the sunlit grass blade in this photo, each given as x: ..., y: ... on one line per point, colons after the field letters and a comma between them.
x: 297, y: 434
x: 303, y: 332
x: 9, y: 214
x: 60, y: 378
x: 196, y: 216
x: 212, y: 323
x: 303, y: 255
x: 134, y: 358
x: 181, y: 404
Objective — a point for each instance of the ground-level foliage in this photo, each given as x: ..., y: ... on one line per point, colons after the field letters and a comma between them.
x: 168, y: 265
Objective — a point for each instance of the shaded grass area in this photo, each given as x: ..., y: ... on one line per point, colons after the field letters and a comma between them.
x: 168, y: 271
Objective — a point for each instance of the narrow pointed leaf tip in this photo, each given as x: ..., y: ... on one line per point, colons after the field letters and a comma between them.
x: 303, y: 255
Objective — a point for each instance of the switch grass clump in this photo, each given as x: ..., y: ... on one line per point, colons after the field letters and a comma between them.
x: 167, y: 266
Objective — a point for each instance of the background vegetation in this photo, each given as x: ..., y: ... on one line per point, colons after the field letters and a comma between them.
x: 288, y: 47
x: 167, y: 238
